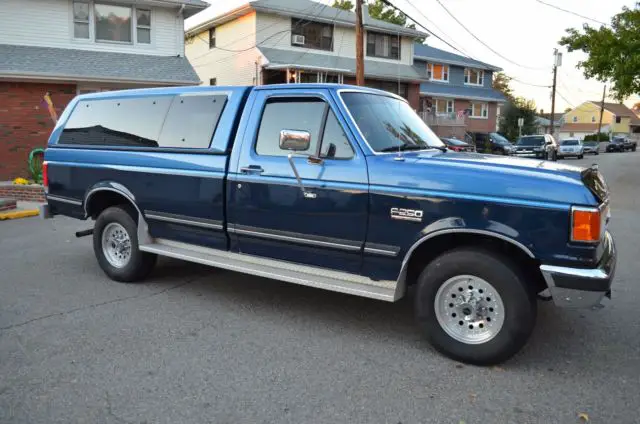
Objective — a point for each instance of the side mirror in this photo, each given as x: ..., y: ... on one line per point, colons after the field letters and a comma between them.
x: 295, y: 140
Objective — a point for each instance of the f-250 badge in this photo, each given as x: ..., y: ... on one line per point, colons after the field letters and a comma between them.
x: 407, y: 214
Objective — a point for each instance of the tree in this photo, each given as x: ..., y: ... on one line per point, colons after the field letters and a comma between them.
x: 501, y: 83
x: 636, y: 108
x: 613, y: 52
x: 519, y: 108
x: 379, y: 10
x: 567, y: 109
x: 343, y: 4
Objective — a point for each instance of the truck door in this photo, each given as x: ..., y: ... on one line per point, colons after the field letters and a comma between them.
x: 320, y: 219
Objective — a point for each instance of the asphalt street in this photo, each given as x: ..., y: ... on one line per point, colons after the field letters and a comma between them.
x: 197, y: 345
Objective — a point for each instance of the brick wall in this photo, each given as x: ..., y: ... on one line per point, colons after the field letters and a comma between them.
x: 478, y: 124
x: 30, y: 193
x: 25, y: 122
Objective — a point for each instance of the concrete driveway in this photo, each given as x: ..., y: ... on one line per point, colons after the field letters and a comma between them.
x: 198, y: 345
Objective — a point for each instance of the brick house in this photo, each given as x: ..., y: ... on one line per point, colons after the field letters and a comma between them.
x: 66, y: 47
x: 291, y: 41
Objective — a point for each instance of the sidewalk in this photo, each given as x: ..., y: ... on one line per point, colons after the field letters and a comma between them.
x: 22, y: 210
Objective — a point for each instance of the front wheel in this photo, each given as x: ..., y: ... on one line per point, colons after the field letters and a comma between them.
x: 115, y: 244
x: 580, y: 156
x: 475, y: 306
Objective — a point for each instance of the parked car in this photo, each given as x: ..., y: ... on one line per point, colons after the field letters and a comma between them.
x: 539, y: 146
x: 571, y: 147
x: 627, y: 143
x: 630, y: 144
x: 617, y: 144
x: 305, y: 183
x: 496, y: 145
x: 457, y: 145
x: 591, y: 147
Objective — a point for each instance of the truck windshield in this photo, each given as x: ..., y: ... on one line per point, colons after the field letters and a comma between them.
x: 389, y: 124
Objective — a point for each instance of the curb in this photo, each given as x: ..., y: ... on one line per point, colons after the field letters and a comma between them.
x: 19, y: 214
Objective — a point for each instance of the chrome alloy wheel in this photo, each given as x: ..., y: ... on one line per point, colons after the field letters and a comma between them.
x: 469, y: 309
x: 116, y: 245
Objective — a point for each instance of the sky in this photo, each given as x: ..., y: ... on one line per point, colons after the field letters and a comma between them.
x: 523, y: 32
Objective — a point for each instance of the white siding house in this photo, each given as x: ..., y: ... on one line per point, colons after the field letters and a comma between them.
x: 232, y: 61
x: 51, y: 50
x: 277, y: 41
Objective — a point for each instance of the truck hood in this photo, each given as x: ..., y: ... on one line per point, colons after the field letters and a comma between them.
x: 482, y: 176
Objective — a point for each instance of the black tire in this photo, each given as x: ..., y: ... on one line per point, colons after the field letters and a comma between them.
x: 140, y: 264
x: 580, y: 157
x: 597, y: 153
x: 520, y: 307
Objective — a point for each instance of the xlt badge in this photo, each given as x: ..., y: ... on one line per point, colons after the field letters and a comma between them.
x: 407, y: 214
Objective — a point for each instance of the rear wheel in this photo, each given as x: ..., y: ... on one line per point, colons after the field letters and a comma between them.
x: 475, y: 306
x: 580, y: 156
x: 115, y: 244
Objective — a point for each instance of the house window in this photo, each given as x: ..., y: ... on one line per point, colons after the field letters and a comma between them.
x: 213, y: 81
x: 212, y: 38
x: 143, y: 26
x: 574, y: 119
x: 80, y: 19
x: 438, y: 72
x: 571, y: 134
x: 312, y: 35
x: 479, y: 110
x: 113, y: 23
x: 444, y: 107
x: 473, y: 76
x: 383, y: 45
x: 618, y: 119
x: 593, y: 119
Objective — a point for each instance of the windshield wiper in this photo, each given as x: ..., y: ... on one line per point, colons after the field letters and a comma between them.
x: 406, y: 147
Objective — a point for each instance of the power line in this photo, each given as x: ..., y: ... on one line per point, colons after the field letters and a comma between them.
x: 300, y: 23
x: 315, y: 5
x: 388, y: 3
x: 571, y: 12
x: 528, y: 83
x: 483, y: 43
x: 436, y: 26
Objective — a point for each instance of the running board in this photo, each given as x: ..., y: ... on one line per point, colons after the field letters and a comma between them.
x: 278, y: 270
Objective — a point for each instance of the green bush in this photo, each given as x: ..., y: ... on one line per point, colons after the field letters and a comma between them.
x: 597, y: 137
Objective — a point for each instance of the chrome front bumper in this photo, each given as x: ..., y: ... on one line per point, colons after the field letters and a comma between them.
x: 582, y: 287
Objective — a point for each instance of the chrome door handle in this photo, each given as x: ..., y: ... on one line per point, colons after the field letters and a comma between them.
x: 252, y: 169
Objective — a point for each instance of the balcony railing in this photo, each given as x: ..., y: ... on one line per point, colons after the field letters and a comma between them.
x: 448, y: 120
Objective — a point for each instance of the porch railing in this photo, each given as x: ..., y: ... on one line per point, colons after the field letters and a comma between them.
x: 449, y: 120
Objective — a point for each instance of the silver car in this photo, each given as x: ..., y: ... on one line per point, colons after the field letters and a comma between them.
x: 571, y: 147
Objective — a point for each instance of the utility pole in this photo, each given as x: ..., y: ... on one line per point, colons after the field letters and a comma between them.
x: 604, y: 90
x: 557, y: 61
x: 359, y: 45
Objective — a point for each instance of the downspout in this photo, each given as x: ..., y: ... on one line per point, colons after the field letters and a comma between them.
x: 180, y: 30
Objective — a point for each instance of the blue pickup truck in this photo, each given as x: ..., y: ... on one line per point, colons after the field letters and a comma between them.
x: 335, y: 187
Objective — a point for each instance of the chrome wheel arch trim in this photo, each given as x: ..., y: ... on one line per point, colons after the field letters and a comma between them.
x: 114, y: 187
x: 401, y: 286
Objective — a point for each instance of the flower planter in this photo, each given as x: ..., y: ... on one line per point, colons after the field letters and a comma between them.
x: 28, y: 193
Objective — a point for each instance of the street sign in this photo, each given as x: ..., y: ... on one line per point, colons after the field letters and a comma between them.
x: 521, y: 122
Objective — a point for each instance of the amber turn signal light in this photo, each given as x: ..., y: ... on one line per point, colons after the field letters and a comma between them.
x: 585, y: 224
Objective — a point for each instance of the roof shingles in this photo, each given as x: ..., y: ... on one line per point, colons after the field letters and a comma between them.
x: 74, y: 64
x: 372, y: 68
